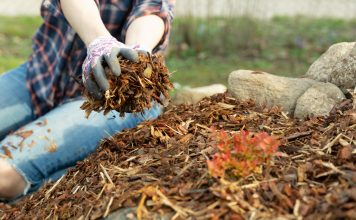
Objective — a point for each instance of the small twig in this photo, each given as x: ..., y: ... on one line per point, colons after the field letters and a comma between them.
x: 175, y: 216
x: 254, y: 185
x: 87, y: 215
x: 101, y: 192
x: 75, y: 174
x: 49, y: 216
x: 284, y: 115
x: 235, y: 207
x: 331, y: 126
x: 280, y: 195
x: 140, y: 206
x: 296, y: 208
x: 247, y: 186
x: 53, y: 187
x: 106, y: 174
x: 330, y: 172
x: 332, y: 166
x: 210, y: 207
x: 298, y: 135
x: 203, y: 126
x: 180, y: 133
x: 126, y: 171
x: 75, y: 189
x: 108, y: 207
x: 131, y: 158
x: 185, y: 168
x: 330, y: 144
x: 297, y: 156
x: 348, y: 138
x: 200, y: 181
x: 182, y: 211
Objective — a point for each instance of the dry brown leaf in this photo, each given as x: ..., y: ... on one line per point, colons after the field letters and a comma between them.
x: 148, y: 71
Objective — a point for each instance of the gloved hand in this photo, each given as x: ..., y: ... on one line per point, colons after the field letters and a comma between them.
x: 107, y: 49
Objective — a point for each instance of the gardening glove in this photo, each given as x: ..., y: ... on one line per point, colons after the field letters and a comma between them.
x: 107, y: 49
x: 142, y: 49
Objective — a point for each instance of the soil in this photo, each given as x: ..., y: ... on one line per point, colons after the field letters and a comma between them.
x: 160, y: 169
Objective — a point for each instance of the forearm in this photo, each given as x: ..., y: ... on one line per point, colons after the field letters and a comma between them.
x: 84, y: 17
x: 146, y: 31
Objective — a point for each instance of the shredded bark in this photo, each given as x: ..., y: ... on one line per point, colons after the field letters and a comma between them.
x: 159, y: 169
x: 135, y: 89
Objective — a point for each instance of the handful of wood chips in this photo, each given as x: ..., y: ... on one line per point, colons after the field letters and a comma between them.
x: 139, y: 85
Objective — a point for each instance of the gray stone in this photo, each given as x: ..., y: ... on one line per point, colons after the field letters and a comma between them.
x: 318, y: 100
x: 354, y: 98
x: 337, y: 65
x: 194, y: 95
x: 265, y: 88
x: 300, y: 97
x: 122, y: 214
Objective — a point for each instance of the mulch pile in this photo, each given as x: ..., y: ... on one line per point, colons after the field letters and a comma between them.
x: 160, y: 167
x: 133, y: 91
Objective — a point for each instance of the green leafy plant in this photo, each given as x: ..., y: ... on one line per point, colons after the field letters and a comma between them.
x: 242, y: 153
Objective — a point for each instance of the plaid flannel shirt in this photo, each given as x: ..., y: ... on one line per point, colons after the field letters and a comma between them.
x: 58, y: 52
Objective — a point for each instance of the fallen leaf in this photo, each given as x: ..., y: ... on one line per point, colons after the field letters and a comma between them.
x: 148, y: 71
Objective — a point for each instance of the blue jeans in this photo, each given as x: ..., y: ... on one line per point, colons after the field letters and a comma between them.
x: 43, y: 148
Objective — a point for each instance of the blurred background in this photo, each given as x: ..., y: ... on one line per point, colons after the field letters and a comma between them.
x: 212, y: 38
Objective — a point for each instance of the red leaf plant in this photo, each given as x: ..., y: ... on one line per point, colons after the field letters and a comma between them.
x: 241, y: 153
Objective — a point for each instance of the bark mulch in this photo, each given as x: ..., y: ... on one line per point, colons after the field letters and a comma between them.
x: 160, y: 167
x: 134, y: 90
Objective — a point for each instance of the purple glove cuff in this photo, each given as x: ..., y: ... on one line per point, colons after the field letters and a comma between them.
x: 140, y: 47
x: 98, y: 47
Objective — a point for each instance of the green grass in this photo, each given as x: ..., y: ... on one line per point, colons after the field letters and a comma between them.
x: 15, y: 40
x: 205, y: 51
x: 198, y: 72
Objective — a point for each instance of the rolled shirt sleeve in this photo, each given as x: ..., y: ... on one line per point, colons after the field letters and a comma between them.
x: 161, y: 8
